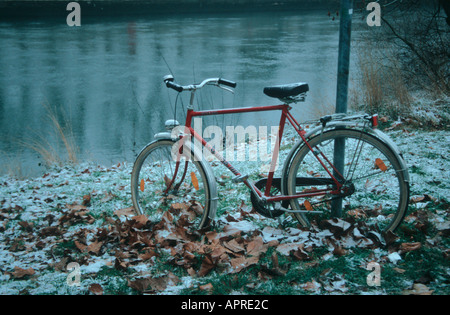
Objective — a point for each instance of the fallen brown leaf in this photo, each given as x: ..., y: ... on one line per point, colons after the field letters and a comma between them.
x: 120, y: 265
x: 206, y: 267
x: 75, y: 206
x: 399, y: 270
x: 19, y: 273
x: 94, y: 247
x: 311, y: 286
x: 234, y: 246
x: 339, y: 251
x: 50, y: 231
x: 167, y: 218
x: 230, y: 230
x: 129, y: 212
x: 108, y: 197
x: 418, y: 289
x: 140, y: 221
x: 256, y: 247
x: 139, y: 284
x: 206, y: 287
x: 409, y: 247
x: 211, y: 235
x: 157, y: 284
x: 300, y: 254
x: 180, y: 206
x: 152, y: 285
x: 86, y: 200
x: 147, y: 255
x: 28, y: 227
x: 276, y: 269
x: 217, y: 252
x: 61, y: 265
x: 82, y: 247
x: 191, y: 272
x: 242, y: 262
x: 96, y: 289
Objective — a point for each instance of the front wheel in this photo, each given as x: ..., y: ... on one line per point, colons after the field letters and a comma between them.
x: 161, y: 182
x: 376, y: 189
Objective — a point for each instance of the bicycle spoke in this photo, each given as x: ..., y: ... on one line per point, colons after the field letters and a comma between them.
x: 354, y: 163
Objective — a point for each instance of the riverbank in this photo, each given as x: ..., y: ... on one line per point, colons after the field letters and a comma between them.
x: 108, y: 8
x: 81, y: 214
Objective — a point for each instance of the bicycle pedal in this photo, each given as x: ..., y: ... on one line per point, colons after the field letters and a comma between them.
x: 239, y: 179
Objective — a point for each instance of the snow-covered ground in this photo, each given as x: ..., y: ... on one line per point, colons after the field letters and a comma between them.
x: 74, y: 214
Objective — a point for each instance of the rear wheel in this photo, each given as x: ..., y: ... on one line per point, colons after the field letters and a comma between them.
x: 374, y: 182
x: 160, y: 182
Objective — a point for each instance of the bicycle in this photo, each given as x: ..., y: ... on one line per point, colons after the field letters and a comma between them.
x: 170, y: 174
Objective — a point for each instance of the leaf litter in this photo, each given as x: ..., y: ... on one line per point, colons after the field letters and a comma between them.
x: 82, y: 214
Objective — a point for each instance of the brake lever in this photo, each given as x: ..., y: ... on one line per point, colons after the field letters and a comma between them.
x: 224, y: 88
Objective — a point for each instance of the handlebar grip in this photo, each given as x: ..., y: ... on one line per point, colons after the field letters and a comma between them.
x: 174, y: 86
x: 227, y: 83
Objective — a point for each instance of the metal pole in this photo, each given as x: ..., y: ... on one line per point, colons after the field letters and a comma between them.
x: 345, y: 28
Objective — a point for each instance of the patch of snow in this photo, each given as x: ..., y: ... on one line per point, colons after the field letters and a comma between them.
x: 244, y: 226
x: 394, y: 257
x: 272, y: 234
x: 93, y: 267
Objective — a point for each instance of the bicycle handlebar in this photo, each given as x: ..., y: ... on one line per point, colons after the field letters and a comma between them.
x: 174, y: 86
x: 169, y: 81
x: 227, y: 82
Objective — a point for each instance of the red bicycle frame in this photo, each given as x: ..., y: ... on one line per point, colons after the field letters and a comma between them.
x: 285, y: 114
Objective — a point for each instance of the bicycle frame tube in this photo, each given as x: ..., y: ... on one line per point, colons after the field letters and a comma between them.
x: 285, y: 114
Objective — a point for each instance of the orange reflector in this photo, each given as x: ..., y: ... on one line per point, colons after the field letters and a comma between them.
x: 307, y: 205
x: 142, y: 185
x: 380, y: 164
x: 194, y: 181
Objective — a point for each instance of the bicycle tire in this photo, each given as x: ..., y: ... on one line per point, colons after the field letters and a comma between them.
x: 391, y: 186
x: 178, y: 197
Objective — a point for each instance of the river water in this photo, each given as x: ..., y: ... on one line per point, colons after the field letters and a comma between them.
x: 102, y: 81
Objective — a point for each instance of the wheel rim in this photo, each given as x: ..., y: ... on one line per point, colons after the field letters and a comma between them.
x: 371, y: 169
x: 161, y: 189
